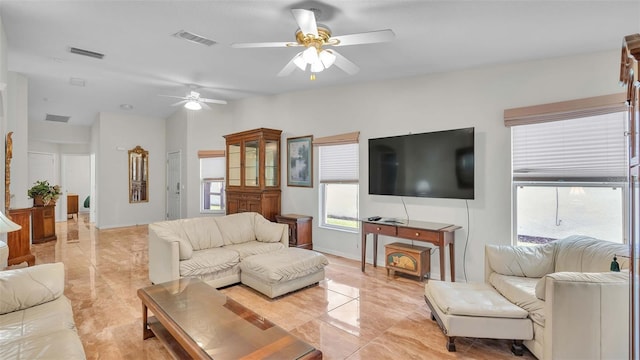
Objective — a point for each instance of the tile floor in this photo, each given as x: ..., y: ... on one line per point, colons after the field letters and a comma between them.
x: 350, y: 315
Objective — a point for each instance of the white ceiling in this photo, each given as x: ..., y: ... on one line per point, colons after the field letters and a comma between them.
x: 143, y: 59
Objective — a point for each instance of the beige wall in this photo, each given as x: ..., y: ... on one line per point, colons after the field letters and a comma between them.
x: 475, y: 97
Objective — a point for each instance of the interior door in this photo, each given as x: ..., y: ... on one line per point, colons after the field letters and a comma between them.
x: 174, y: 186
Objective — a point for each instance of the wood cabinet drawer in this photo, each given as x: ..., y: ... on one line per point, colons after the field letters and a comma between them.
x: 418, y: 234
x: 379, y: 229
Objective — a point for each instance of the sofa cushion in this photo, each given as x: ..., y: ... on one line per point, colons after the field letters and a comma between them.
x: 267, y: 231
x: 471, y: 299
x: 27, y: 287
x: 171, y: 231
x: 520, y: 291
x: 202, y: 232
x: 283, y: 265
x: 208, y: 261
x: 254, y: 247
x: 40, y: 319
x: 62, y: 344
x: 237, y: 228
x: 528, y: 261
x: 586, y: 254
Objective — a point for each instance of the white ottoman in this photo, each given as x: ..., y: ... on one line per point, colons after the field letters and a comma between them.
x: 476, y: 310
x: 280, y: 272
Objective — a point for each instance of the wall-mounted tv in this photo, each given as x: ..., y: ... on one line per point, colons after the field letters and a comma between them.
x: 432, y: 164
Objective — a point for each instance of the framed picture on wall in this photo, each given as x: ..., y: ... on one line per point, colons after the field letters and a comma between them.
x: 300, y: 161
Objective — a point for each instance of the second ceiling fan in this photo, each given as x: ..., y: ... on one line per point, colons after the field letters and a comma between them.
x: 315, y: 37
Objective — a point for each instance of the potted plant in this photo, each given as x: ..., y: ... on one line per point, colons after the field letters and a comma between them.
x: 43, y: 194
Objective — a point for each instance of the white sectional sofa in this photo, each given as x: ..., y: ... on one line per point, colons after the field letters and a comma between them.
x: 578, y: 307
x: 36, y: 319
x: 211, y: 248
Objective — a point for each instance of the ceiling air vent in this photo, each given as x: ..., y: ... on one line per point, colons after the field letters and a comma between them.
x: 57, y: 118
x: 88, y: 53
x: 185, y: 35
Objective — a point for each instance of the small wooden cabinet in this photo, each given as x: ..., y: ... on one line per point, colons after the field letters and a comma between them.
x: 43, y: 223
x: 299, y: 230
x: 253, y: 172
x: 19, y: 242
x: 407, y: 258
x: 72, y: 205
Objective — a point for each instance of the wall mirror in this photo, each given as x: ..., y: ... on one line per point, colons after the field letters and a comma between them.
x: 138, y: 175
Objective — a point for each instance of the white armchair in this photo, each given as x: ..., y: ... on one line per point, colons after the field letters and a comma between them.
x: 579, y: 308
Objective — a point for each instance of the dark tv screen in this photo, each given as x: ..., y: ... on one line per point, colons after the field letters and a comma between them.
x: 433, y: 164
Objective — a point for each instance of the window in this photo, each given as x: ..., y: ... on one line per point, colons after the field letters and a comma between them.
x: 339, y: 188
x: 212, y: 196
x: 569, y: 177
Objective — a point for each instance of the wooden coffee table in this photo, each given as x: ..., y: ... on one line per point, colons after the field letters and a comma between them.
x: 194, y: 320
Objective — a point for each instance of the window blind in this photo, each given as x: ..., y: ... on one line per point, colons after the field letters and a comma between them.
x: 583, y: 149
x: 338, y: 163
x: 212, y: 168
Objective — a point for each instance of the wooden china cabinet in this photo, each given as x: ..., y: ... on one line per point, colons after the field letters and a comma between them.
x: 253, y: 172
x: 630, y: 77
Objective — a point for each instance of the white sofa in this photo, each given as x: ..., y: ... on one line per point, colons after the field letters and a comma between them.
x: 36, y: 319
x: 578, y: 307
x: 211, y: 248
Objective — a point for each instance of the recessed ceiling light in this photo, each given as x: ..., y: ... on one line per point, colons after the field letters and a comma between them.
x: 126, y: 107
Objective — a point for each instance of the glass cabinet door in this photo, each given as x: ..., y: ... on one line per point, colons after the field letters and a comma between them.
x: 271, y: 163
x: 251, y: 163
x: 234, y: 164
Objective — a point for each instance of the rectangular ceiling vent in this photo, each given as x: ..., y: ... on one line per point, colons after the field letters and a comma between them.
x: 185, y: 35
x: 57, y: 118
x: 84, y: 52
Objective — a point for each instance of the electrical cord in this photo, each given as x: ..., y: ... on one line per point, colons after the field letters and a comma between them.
x: 405, y: 208
x: 464, y: 257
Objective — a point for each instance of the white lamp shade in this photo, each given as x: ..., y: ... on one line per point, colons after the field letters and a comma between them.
x: 317, y: 66
x: 6, y: 225
x: 193, y: 105
x: 300, y: 63
x: 310, y: 55
x: 327, y: 58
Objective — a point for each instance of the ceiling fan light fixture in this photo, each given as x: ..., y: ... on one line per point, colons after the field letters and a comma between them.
x: 327, y: 58
x: 317, y: 67
x: 193, y: 105
x: 300, y: 62
x: 310, y: 55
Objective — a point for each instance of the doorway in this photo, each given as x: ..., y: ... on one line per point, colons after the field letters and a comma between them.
x: 173, y: 186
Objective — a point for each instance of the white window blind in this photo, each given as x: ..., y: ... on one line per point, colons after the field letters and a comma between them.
x: 339, y: 163
x: 583, y: 149
x: 212, y: 168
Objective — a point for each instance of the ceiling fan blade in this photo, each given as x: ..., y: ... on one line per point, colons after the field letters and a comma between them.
x: 364, y: 38
x: 263, y: 45
x: 213, y: 101
x: 306, y: 20
x: 179, y: 103
x: 172, y: 96
x: 345, y: 64
x: 291, y: 65
x: 204, y: 105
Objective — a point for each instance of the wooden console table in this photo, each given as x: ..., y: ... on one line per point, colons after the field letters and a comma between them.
x: 438, y: 234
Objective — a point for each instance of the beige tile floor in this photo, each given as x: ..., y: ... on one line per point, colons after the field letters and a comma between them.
x: 350, y: 315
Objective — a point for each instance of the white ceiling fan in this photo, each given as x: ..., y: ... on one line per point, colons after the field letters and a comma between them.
x: 314, y: 37
x: 193, y: 101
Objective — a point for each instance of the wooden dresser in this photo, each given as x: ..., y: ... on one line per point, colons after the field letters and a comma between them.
x: 43, y: 223
x: 19, y: 242
x: 299, y: 229
x: 72, y: 205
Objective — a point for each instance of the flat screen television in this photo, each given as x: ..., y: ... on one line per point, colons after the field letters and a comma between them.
x: 433, y: 164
